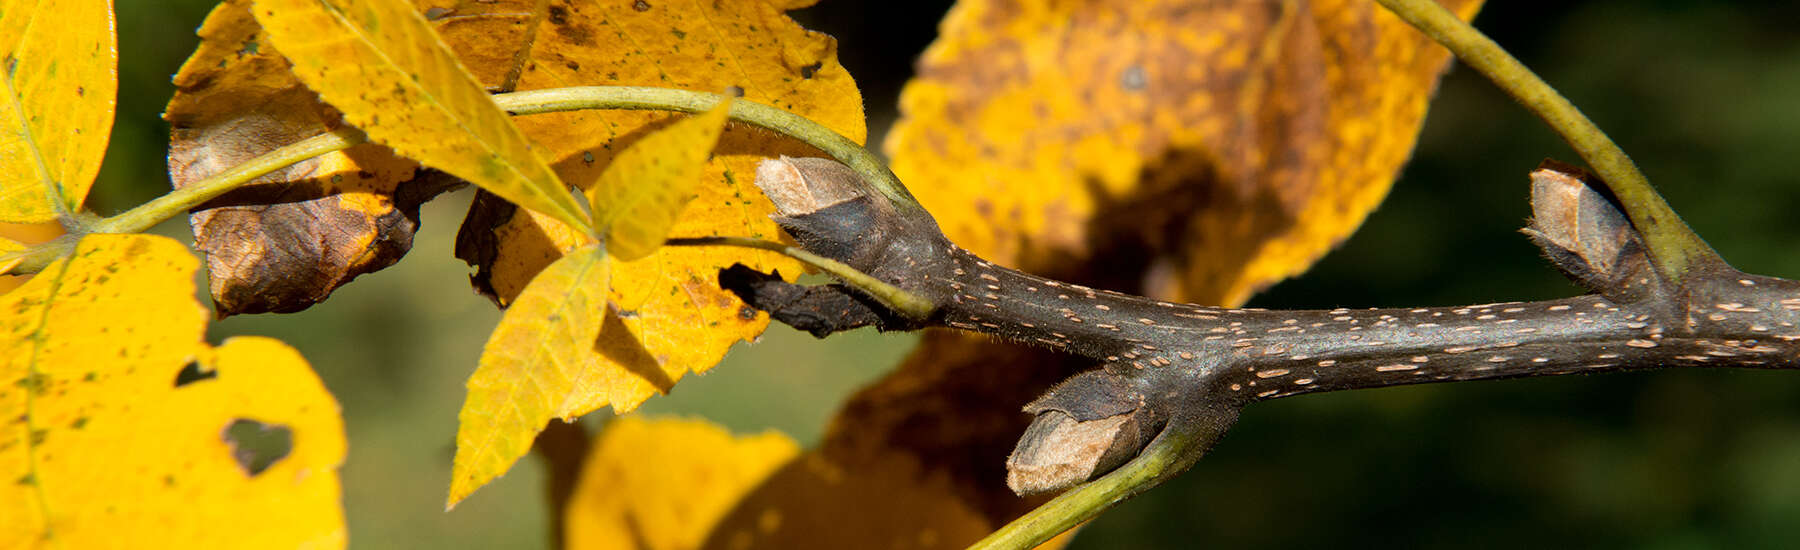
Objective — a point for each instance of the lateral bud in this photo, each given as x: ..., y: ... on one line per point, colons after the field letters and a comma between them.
x: 801, y: 186
x: 1585, y: 234
x: 1087, y: 426
x: 831, y: 211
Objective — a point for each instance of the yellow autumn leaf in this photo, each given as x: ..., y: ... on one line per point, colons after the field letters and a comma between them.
x: 9, y: 256
x: 56, y: 115
x: 669, y: 316
x: 644, y: 189
x: 288, y: 239
x: 122, y: 427
x: 662, y: 484
x: 14, y: 239
x: 380, y: 63
x: 540, y: 363
x: 1235, y: 142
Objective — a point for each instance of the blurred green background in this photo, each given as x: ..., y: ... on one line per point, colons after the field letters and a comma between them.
x: 1705, y: 95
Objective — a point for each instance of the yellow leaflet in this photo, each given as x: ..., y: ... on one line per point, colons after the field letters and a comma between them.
x: 56, y: 103
x: 7, y: 257
x: 539, y: 364
x: 643, y: 191
x: 380, y: 63
x: 664, y: 483
x: 100, y: 447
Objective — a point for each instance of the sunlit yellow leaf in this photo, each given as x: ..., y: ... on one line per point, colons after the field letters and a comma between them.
x: 14, y: 237
x: 9, y: 256
x: 671, y: 317
x: 56, y: 106
x: 663, y: 484
x: 541, y: 363
x: 645, y: 188
x: 380, y: 63
x: 119, y: 426
x: 1233, y: 143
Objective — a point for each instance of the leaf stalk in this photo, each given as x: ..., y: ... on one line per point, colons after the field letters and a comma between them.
x: 147, y: 215
x: 826, y: 140
x: 1673, y: 246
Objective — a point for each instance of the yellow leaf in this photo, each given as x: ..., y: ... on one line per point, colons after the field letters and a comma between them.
x: 644, y: 189
x: 540, y: 364
x: 56, y: 109
x: 122, y: 427
x: 671, y: 317
x: 1235, y: 141
x: 16, y: 237
x: 663, y: 484
x: 380, y: 63
x: 289, y: 238
x: 8, y: 257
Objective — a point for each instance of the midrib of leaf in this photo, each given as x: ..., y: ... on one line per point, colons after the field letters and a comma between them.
x: 590, y: 258
x: 32, y: 371
x: 52, y: 192
x: 574, y: 218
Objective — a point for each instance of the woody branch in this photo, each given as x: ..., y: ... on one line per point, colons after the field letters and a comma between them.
x: 1167, y: 366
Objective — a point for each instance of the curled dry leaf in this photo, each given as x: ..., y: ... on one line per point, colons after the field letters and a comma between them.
x: 288, y: 239
x: 122, y: 426
x: 56, y: 104
x: 1221, y: 145
x: 673, y: 317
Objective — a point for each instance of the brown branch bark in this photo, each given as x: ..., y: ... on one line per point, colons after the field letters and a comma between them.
x: 1165, y: 365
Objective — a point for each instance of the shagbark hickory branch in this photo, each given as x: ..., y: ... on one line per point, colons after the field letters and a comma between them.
x: 1169, y: 366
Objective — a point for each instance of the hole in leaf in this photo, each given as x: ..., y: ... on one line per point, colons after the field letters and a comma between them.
x: 192, y: 373
x: 256, y: 445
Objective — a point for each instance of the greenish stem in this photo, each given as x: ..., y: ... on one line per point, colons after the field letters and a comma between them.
x: 181, y: 200
x: 531, y: 102
x: 526, y: 103
x: 147, y: 215
x: 789, y: 124
x: 1177, y: 448
x: 911, y: 305
x: 1672, y: 245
